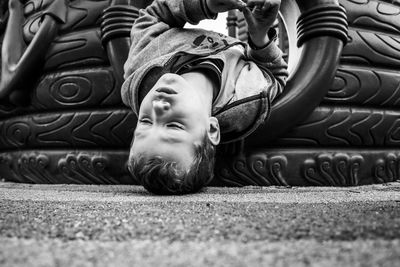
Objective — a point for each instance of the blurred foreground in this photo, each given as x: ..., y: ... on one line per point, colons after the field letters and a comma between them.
x: 84, y: 225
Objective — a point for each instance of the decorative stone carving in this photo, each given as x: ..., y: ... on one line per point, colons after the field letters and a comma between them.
x: 65, y: 166
x: 103, y: 128
x: 357, y: 85
x: 76, y: 130
x: 89, y: 87
x: 346, y: 126
x: 338, y: 169
x: 85, y: 168
x: 257, y: 169
x: 387, y: 169
x: 83, y: 14
x: 78, y: 49
x: 5, y: 161
x: 34, y: 167
x: 16, y: 134
x: 378, y: 15
x: 380, y: 49
x: 7, y: 109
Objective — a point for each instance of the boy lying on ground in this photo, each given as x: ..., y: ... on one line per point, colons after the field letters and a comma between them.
x: 192, y: 88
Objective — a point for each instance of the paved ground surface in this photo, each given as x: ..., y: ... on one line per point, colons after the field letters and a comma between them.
x: 69, y: 225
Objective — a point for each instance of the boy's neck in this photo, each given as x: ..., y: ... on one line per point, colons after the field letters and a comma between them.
x: 205, y: 85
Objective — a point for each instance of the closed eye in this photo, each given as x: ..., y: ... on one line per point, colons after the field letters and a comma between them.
x: 145, y: 121
x: 176, y: 126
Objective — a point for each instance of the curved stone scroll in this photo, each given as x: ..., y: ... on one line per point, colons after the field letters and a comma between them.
x: 322, y: 32
x: 309, y: 167
x: 280, y: 167
x: 255, y: 169
x: 65, y: 166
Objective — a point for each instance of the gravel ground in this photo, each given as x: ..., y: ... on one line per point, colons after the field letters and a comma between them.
x: 70, y: 225
x: 17, y: 252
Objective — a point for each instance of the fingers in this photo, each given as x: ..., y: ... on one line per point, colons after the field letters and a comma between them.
x: 248, y: 15
x: 275, y: 5
x: 240, y: 4
x: 255, y: 4
x: 260, y: 15
x: 263, y: 5
x: 218, y: 6
x: 266, y: 6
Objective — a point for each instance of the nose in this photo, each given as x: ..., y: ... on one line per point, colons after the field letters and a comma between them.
x: 161, y: 106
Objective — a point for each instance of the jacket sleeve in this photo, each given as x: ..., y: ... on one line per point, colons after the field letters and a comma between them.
x: 161, y: 16
x: 270, y: 57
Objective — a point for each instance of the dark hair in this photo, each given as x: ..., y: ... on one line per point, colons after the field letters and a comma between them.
x: 164, y: 177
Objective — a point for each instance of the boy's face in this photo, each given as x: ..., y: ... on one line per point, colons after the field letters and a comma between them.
x: 171, y: 121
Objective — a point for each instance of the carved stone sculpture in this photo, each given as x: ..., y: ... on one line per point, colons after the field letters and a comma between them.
x: 337, y: 124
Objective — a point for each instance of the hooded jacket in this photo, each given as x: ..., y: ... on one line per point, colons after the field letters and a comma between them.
x: 161, y: 45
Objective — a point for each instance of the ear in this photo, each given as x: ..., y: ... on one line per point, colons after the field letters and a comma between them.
x: 214, y: 132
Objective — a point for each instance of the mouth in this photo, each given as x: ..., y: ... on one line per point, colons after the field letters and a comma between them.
x: 166, y: 90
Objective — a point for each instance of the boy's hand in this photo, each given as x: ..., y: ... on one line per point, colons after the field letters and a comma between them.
x: 260, y: 16
x: 217, y: 6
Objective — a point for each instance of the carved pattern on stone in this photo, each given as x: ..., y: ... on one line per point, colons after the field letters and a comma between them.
x: 83, y: 168
x: 92, y: 87
x: 346, y: 126
x: 257, y: 169
x: 5, y: 162
x: 105, y: 128
x: 387, y: 169
x: 337, y: 169
x: 357, y: 85
x: 380, y: 16
x: 366, y: 48
x: 76, y: 50
x: 16, y: 134
x: 7, y: 110
x: 34, y: 168
x: 81, y: 14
